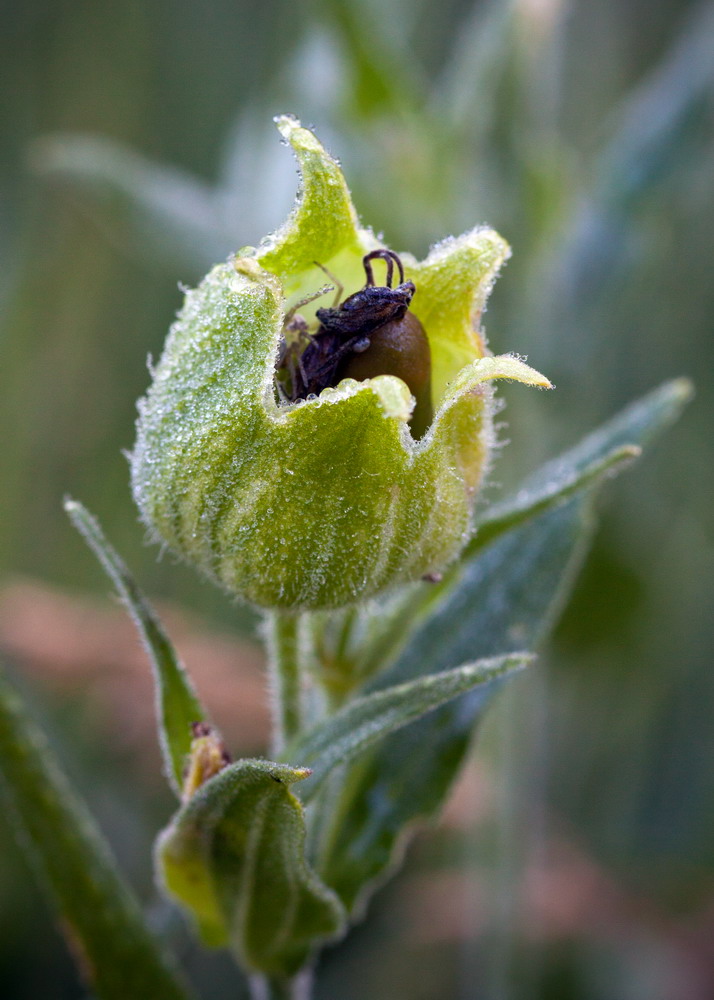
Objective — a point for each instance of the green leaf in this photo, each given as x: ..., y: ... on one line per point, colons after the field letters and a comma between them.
x: 347, y: 734
x: 504, y: 596
x: 528, y: 503
x: 99, y: 913
x: 389, y: 634
x: 177, y: 705
x: 635, y: 426
x: 234, y: 857
x: 605, y: 452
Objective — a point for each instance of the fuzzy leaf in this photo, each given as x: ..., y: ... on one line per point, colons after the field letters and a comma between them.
x: 177, y: 705
x: 528, y: 503
x: 233, y: 856
x: 505, y: 595
x: 504, y: 598
x: 365, y: 721
x: 73, y: 862
x: 603, y: 453
x: 633, y: 428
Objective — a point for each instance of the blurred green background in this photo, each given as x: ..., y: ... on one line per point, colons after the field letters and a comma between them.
x: 577, y: 860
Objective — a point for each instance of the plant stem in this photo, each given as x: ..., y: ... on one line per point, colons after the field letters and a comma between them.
x: 299, y: 988
x: 350, y: 617
x: 283, y: 643
x: 326, y: 642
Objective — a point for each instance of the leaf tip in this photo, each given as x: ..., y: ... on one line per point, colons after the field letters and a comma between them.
x: 78, y: 515
x: 628, y: 453
x: 293, y: 132
x: 286, y: 122
x: 681, y: 392
x: 682, y: 389
x: 511, y: 367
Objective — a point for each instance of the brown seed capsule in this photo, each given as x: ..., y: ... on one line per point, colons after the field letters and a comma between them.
x: 370, y: 333
x: 399, y: 347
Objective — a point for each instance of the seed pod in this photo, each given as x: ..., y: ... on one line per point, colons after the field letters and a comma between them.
x: 371, y: 333
x: 322, y: 502
x: 397, y: 347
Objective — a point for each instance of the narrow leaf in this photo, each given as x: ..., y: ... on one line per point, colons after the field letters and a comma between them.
x: 635, y: 426
x: 605, y: 452
x: 505, y: 594
x: 234, y: 857
x: 389, y: 635
x: 177, y: 705
x: 506, y: 597
x: 99, y: 912
x: 526, y: 504
x: 348, y: 733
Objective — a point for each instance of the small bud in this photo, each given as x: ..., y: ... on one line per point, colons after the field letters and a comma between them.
x: 208, y: 756
x: 330, y: 499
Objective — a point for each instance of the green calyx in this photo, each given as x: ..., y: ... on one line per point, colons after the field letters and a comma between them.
x: 330, y: 500
x: 233, y: 856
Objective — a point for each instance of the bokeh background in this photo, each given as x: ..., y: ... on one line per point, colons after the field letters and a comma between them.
x: 576, y: 859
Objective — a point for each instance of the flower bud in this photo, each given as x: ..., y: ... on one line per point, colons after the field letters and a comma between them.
x: 320, y: 502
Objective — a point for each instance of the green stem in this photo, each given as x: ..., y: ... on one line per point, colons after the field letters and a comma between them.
x: 393, y: 628
x: 350, y: 617
x: 328, y: 637
x: 299, y: 988
x: 283, y: 635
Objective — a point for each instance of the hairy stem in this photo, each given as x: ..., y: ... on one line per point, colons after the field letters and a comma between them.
x: 283, y: 644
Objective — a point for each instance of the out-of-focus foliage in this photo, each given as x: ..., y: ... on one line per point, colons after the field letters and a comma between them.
x: 583, y: 133
x: 101, y: 918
